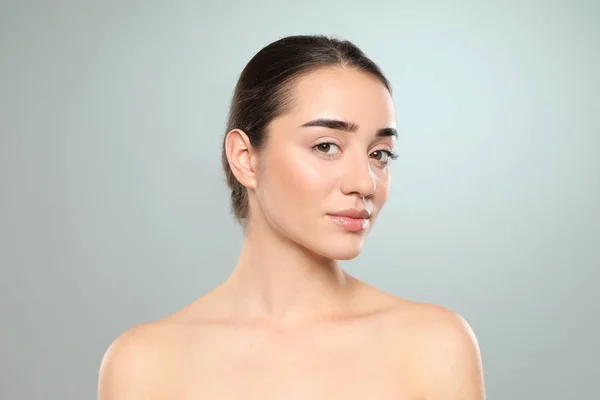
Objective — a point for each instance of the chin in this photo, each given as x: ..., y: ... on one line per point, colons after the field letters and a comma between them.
x: 340, y: 249
x: 335, y: 244
x: 347, y: 255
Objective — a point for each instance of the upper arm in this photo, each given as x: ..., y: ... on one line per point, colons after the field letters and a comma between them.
x: 127, y: 367
x: 452, y: 359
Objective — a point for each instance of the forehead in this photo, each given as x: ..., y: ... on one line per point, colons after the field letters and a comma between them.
x: 342, y: 93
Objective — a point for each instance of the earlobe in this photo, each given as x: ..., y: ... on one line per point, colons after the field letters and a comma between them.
x: 239, y: 154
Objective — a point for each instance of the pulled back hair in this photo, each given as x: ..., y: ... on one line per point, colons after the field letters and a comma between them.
x: 264, y: 92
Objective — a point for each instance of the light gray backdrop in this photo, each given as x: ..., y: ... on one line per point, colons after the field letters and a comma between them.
x: 113, y: 210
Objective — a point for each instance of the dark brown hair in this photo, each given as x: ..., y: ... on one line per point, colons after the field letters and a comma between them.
x: 263, y: 91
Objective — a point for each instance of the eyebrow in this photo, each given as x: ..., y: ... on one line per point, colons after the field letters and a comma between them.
x: 347, y: 126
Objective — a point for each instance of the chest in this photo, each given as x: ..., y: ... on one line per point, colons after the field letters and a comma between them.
x: 364, y: 373
x: 349, y: 362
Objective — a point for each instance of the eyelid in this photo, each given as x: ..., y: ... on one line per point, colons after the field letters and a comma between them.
x: 390, y: 153
x: 388, y: 148
x: 327, y: 139
x: 314, y: 146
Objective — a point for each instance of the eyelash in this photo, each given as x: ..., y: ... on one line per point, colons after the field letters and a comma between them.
x: 391, y: 154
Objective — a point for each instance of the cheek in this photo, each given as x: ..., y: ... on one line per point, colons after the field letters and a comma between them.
x: 382, y: 191
x: 294, y: 183
x: 299, y: 175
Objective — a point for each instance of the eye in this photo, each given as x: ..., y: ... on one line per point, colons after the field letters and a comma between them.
x: 326, y: 148
x: 384, y: 156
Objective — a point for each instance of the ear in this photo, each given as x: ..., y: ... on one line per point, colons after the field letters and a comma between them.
x: 241, y: 157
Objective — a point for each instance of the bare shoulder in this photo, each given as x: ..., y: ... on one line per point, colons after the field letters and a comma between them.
x: 434, y: 321
x: 144, y: 361
x: 134, y: 361
x: 444, y: 348
x: 433, y: 344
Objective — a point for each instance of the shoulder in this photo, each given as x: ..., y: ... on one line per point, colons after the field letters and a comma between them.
x: 145, y: 361
x: 133, y: 361
x: 435, y: 322
x: 445, y: 349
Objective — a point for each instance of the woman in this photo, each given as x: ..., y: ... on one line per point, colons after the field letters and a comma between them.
x: 307, y: 158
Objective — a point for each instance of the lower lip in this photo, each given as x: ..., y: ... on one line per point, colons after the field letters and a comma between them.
x: 351, y: 224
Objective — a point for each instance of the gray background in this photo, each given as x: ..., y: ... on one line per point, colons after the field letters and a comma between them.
x: 113, y: 209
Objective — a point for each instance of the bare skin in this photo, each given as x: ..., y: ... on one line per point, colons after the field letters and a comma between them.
x: 289, y: 323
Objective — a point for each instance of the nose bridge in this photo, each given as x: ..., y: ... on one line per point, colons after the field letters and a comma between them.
x: 358, y: 175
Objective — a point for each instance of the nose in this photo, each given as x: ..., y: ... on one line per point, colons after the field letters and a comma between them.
x: 359, y: 178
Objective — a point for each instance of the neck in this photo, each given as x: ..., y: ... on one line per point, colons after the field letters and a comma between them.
x: 279, y: 282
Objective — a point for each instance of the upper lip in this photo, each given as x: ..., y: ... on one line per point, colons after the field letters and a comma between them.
x: 352, y: 213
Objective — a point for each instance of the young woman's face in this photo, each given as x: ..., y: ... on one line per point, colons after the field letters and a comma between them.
x: 310, y: 170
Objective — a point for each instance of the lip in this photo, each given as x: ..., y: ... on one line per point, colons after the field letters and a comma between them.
x: 351, y: 219
x: 352, y: 213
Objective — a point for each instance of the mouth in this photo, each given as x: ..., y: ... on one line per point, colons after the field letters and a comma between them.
x: 350, y: 223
